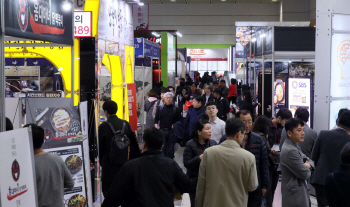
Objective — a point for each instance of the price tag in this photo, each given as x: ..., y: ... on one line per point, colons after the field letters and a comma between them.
x: 82, y: 23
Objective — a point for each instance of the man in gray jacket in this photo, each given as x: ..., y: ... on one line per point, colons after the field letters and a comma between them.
x: 294, y: 171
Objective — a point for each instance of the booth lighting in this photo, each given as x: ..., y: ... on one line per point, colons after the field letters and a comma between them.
x: 179, y: 34
x: 172, y: 0
x: 141, y: 4
x: 290, y: 61
x: 156, y: 34
x: 263, y: 35
x: 66, y: 6
x: 254, y: 39
x: 223, y: 0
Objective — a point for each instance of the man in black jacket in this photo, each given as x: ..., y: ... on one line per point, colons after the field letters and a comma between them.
x: 326, y: 155
x: 222, y: 104
x: 148, y: 181
x: 254, y: 143
x: 105, y: 136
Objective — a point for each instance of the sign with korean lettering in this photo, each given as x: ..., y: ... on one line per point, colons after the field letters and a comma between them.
x: 140, y: 16
x: 44, y: 94
x: 18, y: 183
x: 132, y: 106
x: 48, y: 20
x: 82, y: 23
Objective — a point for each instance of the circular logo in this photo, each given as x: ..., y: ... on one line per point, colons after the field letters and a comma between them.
x: 295, y: 84
x: 343, y: 55
x: 15, y: 170
x: 22, y: 15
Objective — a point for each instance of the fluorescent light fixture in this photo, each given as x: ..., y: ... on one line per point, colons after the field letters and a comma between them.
x: 141, y: 3
x: 274, y: 0
x: 223, y: 0
x: 66, y: 6
x: 137, y: 1
x: 263, y: 35
x: 156, y: 34
x: 254, y: 39
x: 179, y: 34
x: 172, y: 0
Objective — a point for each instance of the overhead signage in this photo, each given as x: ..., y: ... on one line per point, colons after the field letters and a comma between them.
x: 144, y: 47
x: 18, y: 183
x: 14, y: 61
x: 48, y: 20
x: 44, y: 94
x: 299, y: 94
x: 140, y: 16
x: 243, y: 36
x: 218, y: 54
x: 82, y: 23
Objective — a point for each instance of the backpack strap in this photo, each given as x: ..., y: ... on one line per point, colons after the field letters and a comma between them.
x: 123, y: 127
x: 111, y: 127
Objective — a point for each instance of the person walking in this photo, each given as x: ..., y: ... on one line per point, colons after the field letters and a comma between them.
x: 338, y: 182
x: 148, y: 107
x: 194, y: 92
x: 217, y: 125
x: 105, y: 135
x: 220, y: 185
x: 221, y: 104
x: 160, y: 102
x: 326, y: 155
x: 247, y: 103
x: 194, y: 150
x: 224, y: 89
x: 149, y: 179
x: 295, y: 171
x: 195, y: 112
x: 232, y: 91
x: 167, y: 115
x: 208, y: 95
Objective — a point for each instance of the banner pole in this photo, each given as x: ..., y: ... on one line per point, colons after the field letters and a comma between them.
x: 2, y: 68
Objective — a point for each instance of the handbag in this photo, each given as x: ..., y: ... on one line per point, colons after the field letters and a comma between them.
x: 188, y: 104
x: 120, y: 146
x: 336, y: 183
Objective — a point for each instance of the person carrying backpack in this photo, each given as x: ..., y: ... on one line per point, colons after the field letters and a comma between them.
x: 114, y: 153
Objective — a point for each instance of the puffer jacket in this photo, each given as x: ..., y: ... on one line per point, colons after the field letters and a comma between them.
x: 191, y: 155
x: 149, y: 108
x: 256, y: 145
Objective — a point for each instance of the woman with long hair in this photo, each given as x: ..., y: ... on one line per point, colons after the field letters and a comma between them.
x: 194, y: 150
x: 148, y: 107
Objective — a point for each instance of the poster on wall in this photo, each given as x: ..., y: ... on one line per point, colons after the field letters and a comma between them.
x: 243, y: 36
x: 194, y: 65
x: 45, y: 20
x: 72, y: 156
x: 18, y: 183
x: 140, y: 16
x: 171, y: 54
x: 280, y: 93
x: 301, y: 69
x: 299, y: 94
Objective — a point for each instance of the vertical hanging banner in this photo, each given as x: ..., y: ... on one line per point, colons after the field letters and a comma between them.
x: 48, y: 20
x: 140, y: 16
x: 132, y: 106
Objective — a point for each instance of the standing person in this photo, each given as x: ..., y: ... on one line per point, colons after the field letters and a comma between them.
x: 194, y: 149
x: 247, y: 103
x: 240, y: 98
x: 160, y: 102
x: 167, y: 115
x: 232, y: 91
x: 208, y: 95
x: 105, y: 135
x: 224, y: 89
x: 275, y: 131
x: 148, y: 107
x: 52, y: 174
x: 213, y: 76
x: 149, y: 179
x: 256, y: 145
x: 220, y: 185
x: 171, y: 89
x: 295, y: 171
x: 188, y: 78
x: 194, y: 91
x: 195, y: 113
x: 326, y: 155
x: 181, y: 86
x: 181, y: 99
x: 221, y: 104
x: 338, y: 182
x: 215, y: 85
x: 217, y: 125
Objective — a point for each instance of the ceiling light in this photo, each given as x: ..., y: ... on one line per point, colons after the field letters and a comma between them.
x: 223, y: 0
x: 156, y: 34
x: 179, y: 34
x: 290, y: 61
x: 254, y: 39
x: 172, y: 0
x: 141, y: 3
x: 263, y: 35
x: 66, y: 6
x: 274, y: 0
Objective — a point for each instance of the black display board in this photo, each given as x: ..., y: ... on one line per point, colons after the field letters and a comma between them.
x: 267, y: 96
x: 47, y: 20
x: 295, y: 38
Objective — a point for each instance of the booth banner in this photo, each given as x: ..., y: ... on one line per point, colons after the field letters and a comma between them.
x: 140, y: 16
x: 44, y: 94
x: 299, y: 90
x: 132, y: 106
x: 46, y: 20
x: 72, y: 156
x: 61, y: 125
x: 243, y: 36
x: 18, y: 183
x: 14, y: 61
x: 171, y: 54
x: 268, y: 42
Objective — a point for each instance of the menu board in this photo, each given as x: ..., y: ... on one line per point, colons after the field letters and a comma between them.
x: 299, y: 94
x: 73, y: 158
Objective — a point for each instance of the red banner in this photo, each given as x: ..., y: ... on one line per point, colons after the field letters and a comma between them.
x: 132, y: 106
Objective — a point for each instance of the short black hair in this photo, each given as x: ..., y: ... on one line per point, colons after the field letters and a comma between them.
x: 9, y: 125
x: 153, y: 138
x: 344, y: 119
x: 182, y: 79
x: 216, y: 83
x: 245, y: 87
x: 160, y: 84
x: 164, y: 90
x: 187, y: 74
x: 341, y: 111
x: 345, y: 154
x: 233, y: 126
x: 171, y: 87
x: 110, y: 106
x: 284, y: 114
x: 261, y: 125
x: 218, y: 91
x: 243, y: 112
x: 194, y: 83
x: 302, y: 113
x: 211, y: 103
x: 293, y: 123
x: 199, y: 99
x: 233, y: 81
x: 37, y: 135
x: 222, y: 81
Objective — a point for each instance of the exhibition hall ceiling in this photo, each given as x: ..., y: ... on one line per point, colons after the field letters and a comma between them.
x: 211, y: 1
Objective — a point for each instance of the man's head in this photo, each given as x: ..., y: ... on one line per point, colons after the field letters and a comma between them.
x: 193, y: 87
x: 162, y: 92
x: 37, y: 135
x: 168, y: 98
x: 211, y: 109
x: 341, y: 111
x: 233, y: 81
x: 247, y: 118
x: 187, y: 76
x: 235, y: 130
x: 207, y: 89
x: 197, y: 102
x: 9, y: 125
x: 213, y: 73
x: 345, y: 154
x: 171, y: 89
x: 182, y: 80
x: 283, y: 115
x: 215, y: 85
x: 344, y: 120
x: 222, y: 83
x: 110, y: 108
x: 152, y: 93
x: 217, y: 93
x: 152, y: 139
x: 295, y: 130
x: 302, y: 113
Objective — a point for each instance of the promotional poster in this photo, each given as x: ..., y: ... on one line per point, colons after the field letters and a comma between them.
x: 299, y: 94
x: 132, y: 106
x: 140, y: 16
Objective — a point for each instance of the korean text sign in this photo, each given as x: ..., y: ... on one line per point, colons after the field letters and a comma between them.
x: 82, y: 23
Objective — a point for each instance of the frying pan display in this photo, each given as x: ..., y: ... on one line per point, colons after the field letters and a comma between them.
x: 73, y: 163
x: 61, y: 120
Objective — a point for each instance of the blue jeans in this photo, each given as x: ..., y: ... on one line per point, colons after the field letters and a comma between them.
x: 168, y: 144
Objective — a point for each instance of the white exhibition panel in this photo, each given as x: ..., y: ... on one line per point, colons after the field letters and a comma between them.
x: 335, y: 106
x: 202, y: 65
x: 212, y: 65
x: 194, y: 65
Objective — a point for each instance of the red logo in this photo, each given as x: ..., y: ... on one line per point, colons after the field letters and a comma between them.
x: 15, y: 170
x: 22, y: 15
x: 197, y: 52
x: 14, y: 192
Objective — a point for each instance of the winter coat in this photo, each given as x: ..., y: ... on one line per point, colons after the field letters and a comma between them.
x: 148, y: 107
x: 223, y: 107
x: 191, y: 155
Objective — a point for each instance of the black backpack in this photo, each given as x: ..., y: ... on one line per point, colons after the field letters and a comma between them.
x: 120, y: 146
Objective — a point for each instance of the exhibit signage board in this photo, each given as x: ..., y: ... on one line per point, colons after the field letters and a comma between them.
x: 47, y: 20
x: 219, y: 54
x: 144, y: 47
x: 299, y: 90
x: 171, y: 54
x: 44, y: 94
x: 82, y: 23
x: 17, y: 169
x: 140, y: 16
x: 132, y: 106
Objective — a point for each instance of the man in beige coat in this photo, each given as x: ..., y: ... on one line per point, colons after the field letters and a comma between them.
x: 227, y: 172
